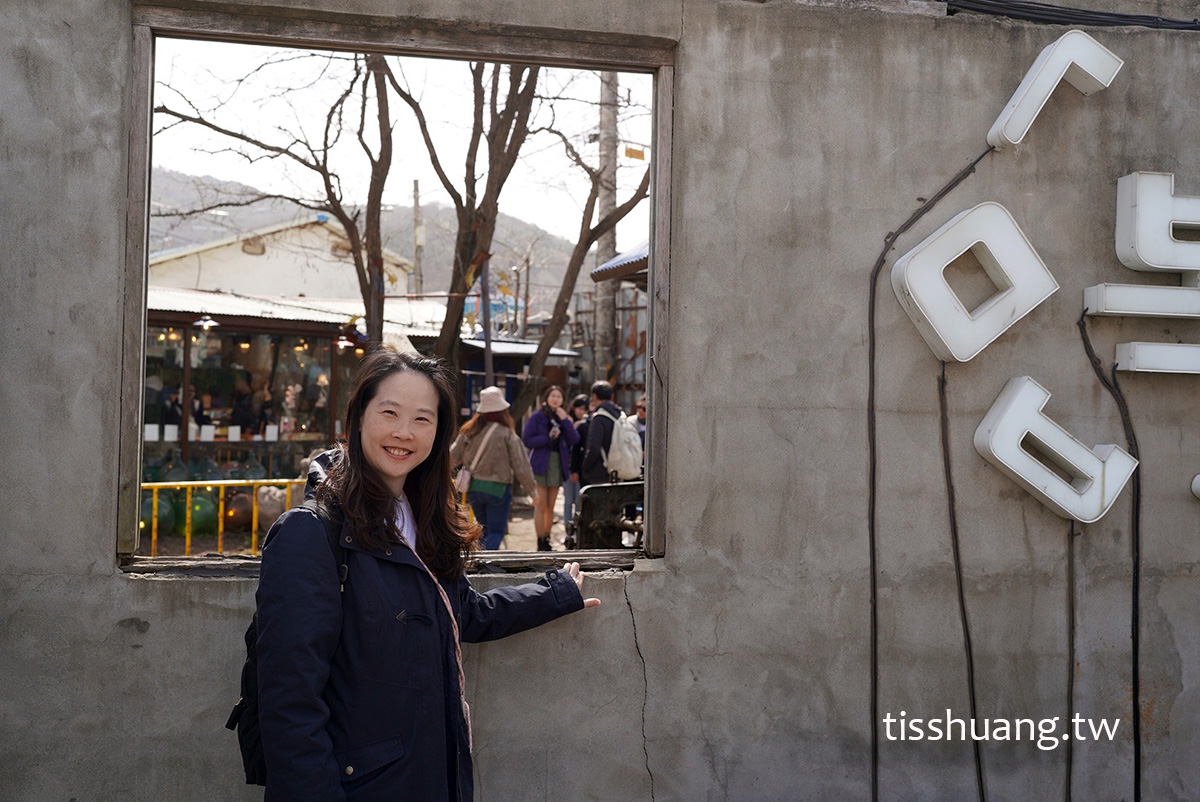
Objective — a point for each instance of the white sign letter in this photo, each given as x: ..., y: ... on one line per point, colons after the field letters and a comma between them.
x: 1147, y: 209
x: 1138, y: 300
x: 1076, y: 58
x: 1159, y: 357
x: 1015, y: 422
x: 989, y: 232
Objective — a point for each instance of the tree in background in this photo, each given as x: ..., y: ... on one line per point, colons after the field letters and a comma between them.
x: 507, y: 106
x: 503, y: 97
x: 589, y: 233
x: 359, y: 111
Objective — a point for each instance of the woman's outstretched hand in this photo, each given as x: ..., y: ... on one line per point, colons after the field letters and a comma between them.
x: 573, y: 571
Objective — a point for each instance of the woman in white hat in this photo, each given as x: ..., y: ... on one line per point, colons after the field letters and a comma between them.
x: 488, y: 447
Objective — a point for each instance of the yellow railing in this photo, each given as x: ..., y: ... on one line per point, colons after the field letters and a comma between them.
x: 216, y: 484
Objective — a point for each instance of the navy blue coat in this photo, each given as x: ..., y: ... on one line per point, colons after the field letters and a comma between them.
x: 358, y: 689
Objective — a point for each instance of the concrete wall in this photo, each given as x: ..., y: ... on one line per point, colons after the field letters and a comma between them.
x: 739, y: 667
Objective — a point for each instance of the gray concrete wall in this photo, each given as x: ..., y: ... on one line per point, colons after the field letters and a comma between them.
x: 739, y: 667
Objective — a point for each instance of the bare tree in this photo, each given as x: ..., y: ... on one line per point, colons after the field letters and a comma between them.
x: 503, y: 101
x: 588, y: 235
x: 360, y: 106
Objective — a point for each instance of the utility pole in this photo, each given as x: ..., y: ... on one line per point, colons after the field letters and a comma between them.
x: 528, y: 280
x: 485, y: 308
x: 418, y: 239
x: 604, y: 350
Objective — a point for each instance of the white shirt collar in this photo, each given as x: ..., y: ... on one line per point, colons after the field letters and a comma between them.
x: 406, y: 523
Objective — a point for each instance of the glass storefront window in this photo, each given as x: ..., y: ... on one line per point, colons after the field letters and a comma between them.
x: 301, y: 389
x: 258, y: 406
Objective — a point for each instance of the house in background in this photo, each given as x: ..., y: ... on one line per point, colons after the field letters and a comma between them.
x: 306, y: 258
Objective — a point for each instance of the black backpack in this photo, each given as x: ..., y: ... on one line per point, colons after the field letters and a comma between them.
x: 244, y: 717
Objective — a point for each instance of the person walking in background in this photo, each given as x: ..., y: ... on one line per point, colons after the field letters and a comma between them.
x: 360, y: 675
x: 640, y: 409
x: 578, y: 413
x: 600, y: 431
x: 488, y: 446
x: 549, y: 434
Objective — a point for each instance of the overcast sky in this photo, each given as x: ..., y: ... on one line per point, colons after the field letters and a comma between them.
x: 544, y: 189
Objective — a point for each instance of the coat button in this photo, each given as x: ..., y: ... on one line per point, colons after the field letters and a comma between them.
x: 349, y: 539
x: 388, y: 552
x: 349, y: 770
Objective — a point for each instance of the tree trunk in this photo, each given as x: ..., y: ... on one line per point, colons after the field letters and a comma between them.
x: 381, y: 165
x: 604, y: 350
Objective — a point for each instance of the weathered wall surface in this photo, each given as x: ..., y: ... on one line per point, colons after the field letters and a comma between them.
x: 738, y: 667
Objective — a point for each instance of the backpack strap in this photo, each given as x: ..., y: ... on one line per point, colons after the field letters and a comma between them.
x: 487, y: 435
x: 332, y: 519
x: 604, y: 413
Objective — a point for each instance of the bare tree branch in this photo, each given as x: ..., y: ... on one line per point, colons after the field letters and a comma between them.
x: 196, y: 120
x: 366, y: 249
x: 242, y: 202
x: 415, y: 105
x: 572, y: 153
x: 588, y: 234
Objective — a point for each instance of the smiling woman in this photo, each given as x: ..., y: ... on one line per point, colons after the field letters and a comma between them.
x: 398, y: 427
x: 356, y: 697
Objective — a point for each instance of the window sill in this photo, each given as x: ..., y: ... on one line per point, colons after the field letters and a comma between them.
x: 223, y: 567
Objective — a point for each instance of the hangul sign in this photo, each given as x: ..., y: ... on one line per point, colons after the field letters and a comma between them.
x: 1073, y: 480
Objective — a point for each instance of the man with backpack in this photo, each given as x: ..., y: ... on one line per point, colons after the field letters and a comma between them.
x: 613, y: 450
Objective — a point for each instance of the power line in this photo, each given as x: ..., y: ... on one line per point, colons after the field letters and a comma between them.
x: 1057, y: 15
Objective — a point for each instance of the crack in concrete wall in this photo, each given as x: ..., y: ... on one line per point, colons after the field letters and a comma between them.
x: 645, y: 681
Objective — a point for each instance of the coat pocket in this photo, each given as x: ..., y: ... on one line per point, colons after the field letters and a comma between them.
x: 420, y: 619
x: 358, y: 763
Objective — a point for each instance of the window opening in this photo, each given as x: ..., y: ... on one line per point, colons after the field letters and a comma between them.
x: 257, y: 317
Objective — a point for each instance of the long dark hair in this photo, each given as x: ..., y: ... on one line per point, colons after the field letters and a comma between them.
x: 444, y: 532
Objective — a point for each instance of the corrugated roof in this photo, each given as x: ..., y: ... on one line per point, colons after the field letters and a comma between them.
x: 517, y: 348
x: 418, y: 317
x: 625, y: 264
x: 174, y: 299
x: 425, y: 316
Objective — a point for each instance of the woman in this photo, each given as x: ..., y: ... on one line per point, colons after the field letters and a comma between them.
x: 578, y: 413
x: 359, y: 667
x: 489, y: 447
x: 549, y: 434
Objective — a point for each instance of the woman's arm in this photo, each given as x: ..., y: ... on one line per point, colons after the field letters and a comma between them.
x: 522, y: 470
x: 506, y: 611
x: 299, y: 619
x: 537, y: 434
x: 456, y: 451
